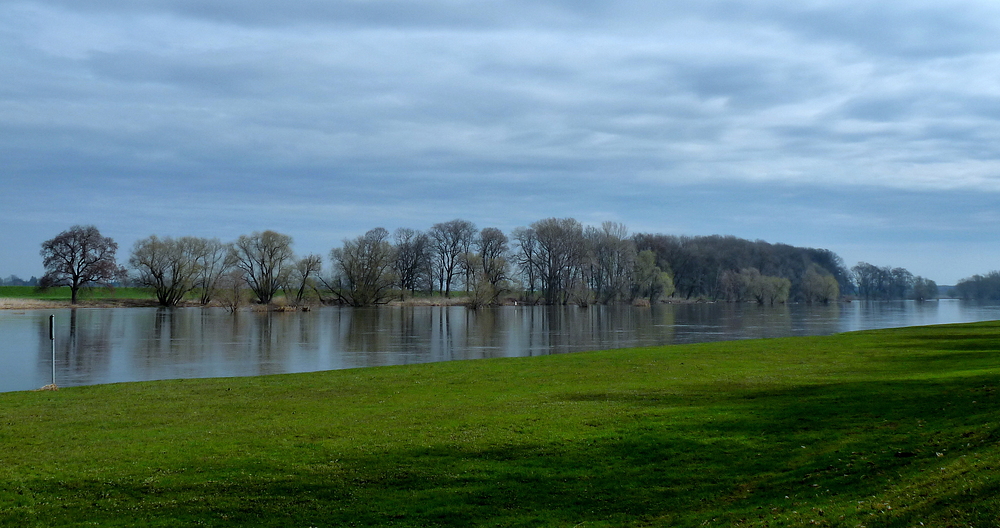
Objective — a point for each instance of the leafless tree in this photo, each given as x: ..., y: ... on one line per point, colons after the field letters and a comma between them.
x: 526, y: 257
x: 263, y: 258
x: 882, y: 282
x: 80, y: 256
x: 490, y: 266
x: 302, y: 275
x: 492, y: 247
x: 168, y: 265
x: 923, y: 289
x: 561, y: 254
x: 612, y: 261
x: 232, y: 289
x: 413, y: 258
x: 212, y: 257
x: 363, y: 269
x: 450, y: 242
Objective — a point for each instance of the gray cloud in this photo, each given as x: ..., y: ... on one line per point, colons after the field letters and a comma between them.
x: 372, y: 113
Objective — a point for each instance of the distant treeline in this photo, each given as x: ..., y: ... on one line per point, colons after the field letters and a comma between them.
x: 887, y: 283
x: 980, y: 287
x: 705, y: 266
x: 551, y: 261
x: 14, y: 280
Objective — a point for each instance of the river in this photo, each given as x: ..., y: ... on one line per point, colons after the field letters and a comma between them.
x: 109, y: 345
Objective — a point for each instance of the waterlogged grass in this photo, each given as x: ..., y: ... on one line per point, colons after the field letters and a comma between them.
x: 886, y: 428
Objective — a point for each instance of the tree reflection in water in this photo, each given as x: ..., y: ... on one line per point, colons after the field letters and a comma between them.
x: 131, y: 344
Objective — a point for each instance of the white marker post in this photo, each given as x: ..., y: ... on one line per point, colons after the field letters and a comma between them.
x: 52, y: 338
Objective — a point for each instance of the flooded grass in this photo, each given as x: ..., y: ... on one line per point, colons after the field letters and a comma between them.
x: 880, y: 428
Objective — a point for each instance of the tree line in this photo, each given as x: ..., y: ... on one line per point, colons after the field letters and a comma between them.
x: 551, y: 261
x: 885, y: 283
x: 980, y: 287
x: 14, y: 280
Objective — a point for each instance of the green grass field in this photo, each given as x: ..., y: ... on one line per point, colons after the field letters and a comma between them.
x: 63, y: 293
x: 890, y: 428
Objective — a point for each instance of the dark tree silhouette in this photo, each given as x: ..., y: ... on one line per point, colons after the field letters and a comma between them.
x: 79, y: 256
x: 450, y: 241
x: 264, y: 258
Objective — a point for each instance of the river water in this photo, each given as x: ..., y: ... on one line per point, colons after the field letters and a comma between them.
x: 108, y: 345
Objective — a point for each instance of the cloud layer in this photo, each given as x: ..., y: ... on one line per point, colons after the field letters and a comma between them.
x: 326, y: 118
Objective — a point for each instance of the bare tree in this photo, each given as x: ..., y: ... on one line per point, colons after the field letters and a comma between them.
x: 882, y: 283
x: 612, y: 262
x: 923, y: 289
x: 492, y: 247
x: 79, y: 256
x: 168, y: 265
x: 561, y: 253
x: 263, y: 258
x: 490, y: 267
x: 450, y: 242
x: 363, y: 269
x: 232, y: 289
x: 412, y: 257
x: 980, y: 287
x: 526, y: 257
x: 301, y: 276
x: 211, y: 256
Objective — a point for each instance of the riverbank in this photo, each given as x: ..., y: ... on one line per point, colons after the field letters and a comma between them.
x: 30, y: 298
x: 19, y: 303
x: 7, y: 303
x: 880, y: 428
x: 27, y: 303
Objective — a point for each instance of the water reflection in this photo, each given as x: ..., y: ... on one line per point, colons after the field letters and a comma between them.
x: 129, y: 344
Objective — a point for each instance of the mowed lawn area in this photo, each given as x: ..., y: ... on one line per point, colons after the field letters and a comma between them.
x: 895, y: 428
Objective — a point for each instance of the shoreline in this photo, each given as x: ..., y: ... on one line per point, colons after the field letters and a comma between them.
x: 16, y: 303
x: 20, y: 303
x: 872, y: 417
x: 28, y: 303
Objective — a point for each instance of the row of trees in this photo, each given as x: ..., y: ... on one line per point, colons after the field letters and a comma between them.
x: 980, y: 287
x: 883, y: 283
x: 14, y: 280
x: 553, y: 261
x: 703, y: 267
x: 262, y: 262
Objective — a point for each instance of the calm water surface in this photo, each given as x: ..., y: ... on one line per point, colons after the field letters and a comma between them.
x: 107, y: 345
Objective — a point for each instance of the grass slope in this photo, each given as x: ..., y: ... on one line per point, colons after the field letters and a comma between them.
x: 882, y: 428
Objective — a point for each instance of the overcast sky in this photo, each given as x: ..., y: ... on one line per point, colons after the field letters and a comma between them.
x: 870, y: 128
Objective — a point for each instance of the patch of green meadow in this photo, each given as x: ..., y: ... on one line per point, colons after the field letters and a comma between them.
x: 882, y: 428
x: 63, y: 293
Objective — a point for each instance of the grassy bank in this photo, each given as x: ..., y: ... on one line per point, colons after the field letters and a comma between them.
x: 63, y: 293
x: 882, y: 428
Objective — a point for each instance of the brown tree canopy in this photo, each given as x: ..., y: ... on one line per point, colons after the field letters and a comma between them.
x: 79, y: 256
